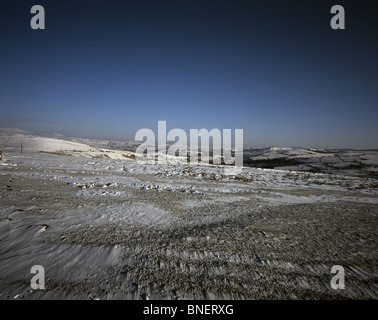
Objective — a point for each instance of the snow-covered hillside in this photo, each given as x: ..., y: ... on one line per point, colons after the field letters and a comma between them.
x: 349, y: 162
x: 105, y: 226
x: 20, y: 142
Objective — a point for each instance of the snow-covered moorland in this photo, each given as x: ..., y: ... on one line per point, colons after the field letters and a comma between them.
x: 104, y: 226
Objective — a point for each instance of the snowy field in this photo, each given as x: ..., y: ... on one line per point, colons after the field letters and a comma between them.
x: 340, y: 162
x: 107, y: 227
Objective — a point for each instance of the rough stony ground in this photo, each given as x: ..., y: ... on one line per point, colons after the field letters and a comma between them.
x: 99, y: 242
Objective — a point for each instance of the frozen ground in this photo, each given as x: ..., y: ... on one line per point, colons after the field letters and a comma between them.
x: 106, y: 227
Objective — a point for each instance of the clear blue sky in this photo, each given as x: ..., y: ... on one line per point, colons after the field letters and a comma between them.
x: 276, y: 69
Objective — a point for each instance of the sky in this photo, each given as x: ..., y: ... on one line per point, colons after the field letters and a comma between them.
x: 276, y: 69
